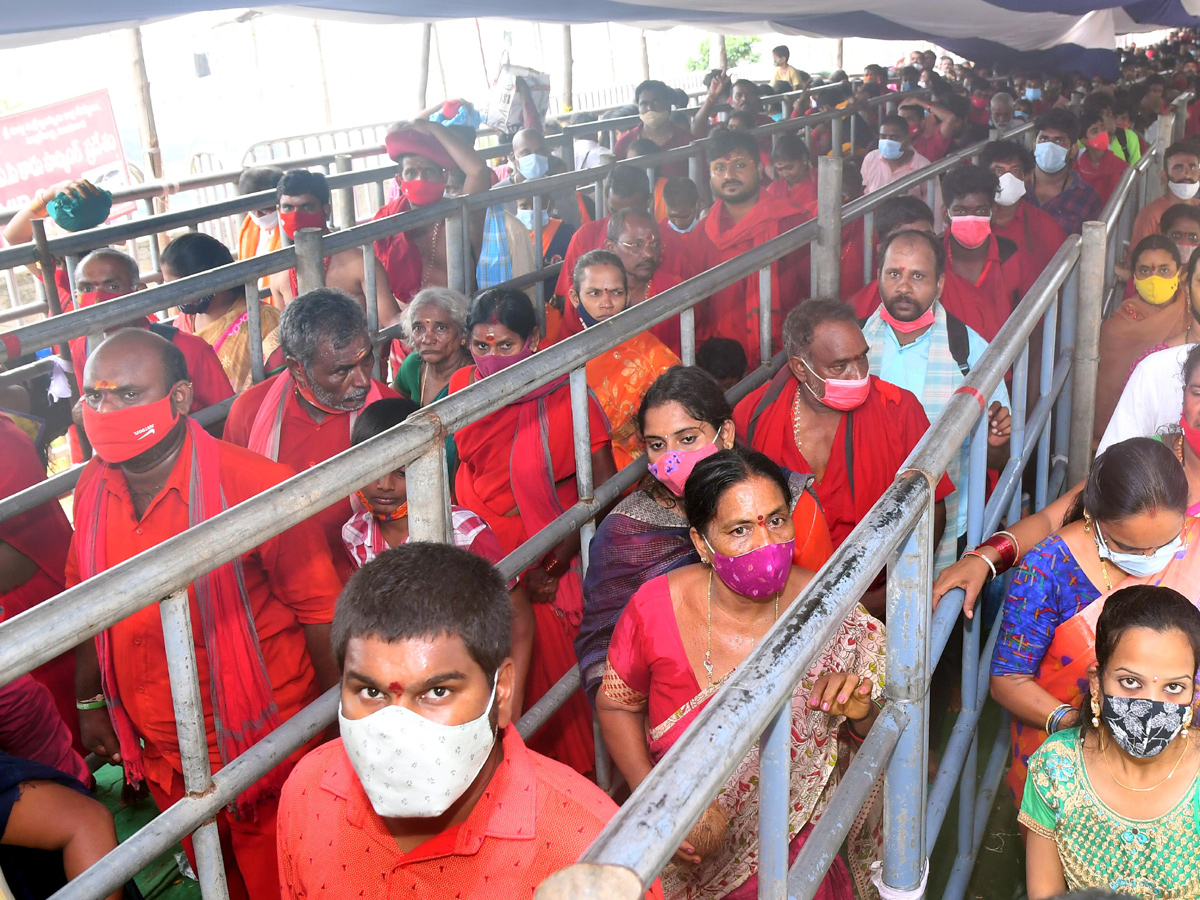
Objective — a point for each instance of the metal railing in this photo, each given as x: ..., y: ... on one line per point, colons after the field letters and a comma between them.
x: 161, y: 574
x: 1066, y: 303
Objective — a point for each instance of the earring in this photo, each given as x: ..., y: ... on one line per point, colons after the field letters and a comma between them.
x: 1187, y: 718
x: 1095, y: 713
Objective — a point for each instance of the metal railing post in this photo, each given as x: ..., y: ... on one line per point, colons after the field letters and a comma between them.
x: 539, y: 261
x: 429, y: 495
x: 774, y: 802
x: 310, y: 260
x: 909, y: 583
x: 698, y: 172
x: 176, y: 614
x: 343, y: 198
x: 1162, y: 140
x: 1086, y: 355
x: 584, y: 483
x: 456, y: 272
x: 826, y: 250
x: 765, y: 300
x: 687, y: 337
x: 868, y: 248
x: 254, y: 333
x: 835, y: 136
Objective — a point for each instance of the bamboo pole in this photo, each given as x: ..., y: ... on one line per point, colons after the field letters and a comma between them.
x: 145, y: 108
x: 423, y: 75
x: 645, y: 58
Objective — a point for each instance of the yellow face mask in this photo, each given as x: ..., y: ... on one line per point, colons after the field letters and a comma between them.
x: 1156, y: 289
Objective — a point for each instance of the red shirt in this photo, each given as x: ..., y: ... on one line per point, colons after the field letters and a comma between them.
x: 681, y: 136
x: 536, y: 817
x: 302, y: 444
x: 803, y: 194
x: 930, y: 143
x: 1102, y: 175
x: 591, y: 236
x: 1000, y: 285
x: 1037, y: 236
x: 861, y: 466
x: 289, y: 580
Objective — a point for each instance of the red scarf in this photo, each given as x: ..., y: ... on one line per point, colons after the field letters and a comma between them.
x: 268, y: 421
x: 243, y: 702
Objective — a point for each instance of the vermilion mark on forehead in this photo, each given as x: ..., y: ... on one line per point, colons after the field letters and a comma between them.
x: 106, y: 385
x: 396, y: 687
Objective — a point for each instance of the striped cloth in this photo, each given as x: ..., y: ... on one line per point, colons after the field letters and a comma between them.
x: 495, y: 259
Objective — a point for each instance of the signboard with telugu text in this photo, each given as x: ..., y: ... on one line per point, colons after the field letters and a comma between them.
x: 66, y: 141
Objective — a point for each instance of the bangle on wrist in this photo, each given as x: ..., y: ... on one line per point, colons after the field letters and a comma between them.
x: 1006, y: 548
x: 97, y: 702
x: 1054, y: 721
x: 991, y: 566
x: 554, y: 567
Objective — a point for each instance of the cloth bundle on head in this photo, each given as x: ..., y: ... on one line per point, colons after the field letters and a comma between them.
x: 454, y: 112
x: 80, y: 210
x: 402, y: 143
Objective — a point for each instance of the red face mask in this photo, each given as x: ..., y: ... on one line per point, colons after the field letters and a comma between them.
x: 924, y: 320
x: 91, y: 298
x: 979, y: 102
x: 970, y: 231
x: 121, y: 434
x: 293, y: 221
x: 421, y: 192
x: 1099, y: 142
x: 1190, y: 434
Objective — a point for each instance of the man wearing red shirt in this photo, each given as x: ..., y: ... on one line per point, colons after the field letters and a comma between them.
x: 1036, y: 234
x: 942, y: 127
x: 261, y: 621
x: 303, y: 416
x: 654, y: 100
x: 423, y: 635
x: 743, y: 218
x: 853, y: 440
x: 1096, y: 164
x: 960, y: 297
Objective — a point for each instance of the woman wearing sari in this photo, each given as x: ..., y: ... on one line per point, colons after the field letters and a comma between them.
x: 684, y: 418
x: 681, y: 637
x: 1127, y: 527
x: 517, y: 470
x: 1139, y: 323
x: 620, y: 377
x: 221, y: 319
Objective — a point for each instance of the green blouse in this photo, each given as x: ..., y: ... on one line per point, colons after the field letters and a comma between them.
x: 408, y: 384
x: 1150, y: 858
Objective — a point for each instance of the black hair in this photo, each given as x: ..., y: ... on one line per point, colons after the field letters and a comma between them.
x: 746, y: 84
x: 376, y: 418
x: 897, y: 120
x: 323, y: 314
x: 427, y: 590
x: 745, y: 116
x: 1181, y: 148
x: 1099, y: 101
x: 1155, y: 242
x: 1007, y: 152
x: 792, y: 146
x: 724, y: 142
x: 617, y: 221
x: 642, y: 147
x: 963, y: 180
x: 958, y: 106
x: 783, y: 51
x: 597, y: 258
x: 510, y: 308
x: 722, y: 358
x: 801, y: 323
x: 298, y: 182
x: 715, y: 475
x: 1193, y: 358
x: 900, y: 212
x: 194, y: 252
x: 1131, y: 477
x: 1160, y: 609
x: 693, y: 389
x: 936, y: 247
x: 1174, y: 213
x: 680, y: 191
x: 1088, y: 116
x: 909, y: 74
x: 656, y: 87
x: 1058, y: 119
x: 627, y: 182
x: 259, y: 178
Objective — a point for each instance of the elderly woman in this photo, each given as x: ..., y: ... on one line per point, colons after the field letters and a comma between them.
x: 435, y: 325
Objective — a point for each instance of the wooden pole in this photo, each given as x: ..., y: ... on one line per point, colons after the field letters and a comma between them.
x: 645, y: 58
x: 145, y: 108
x: 722, y: 54
x: 324, y: 77
x: 839, y: 53
x: 568, y: 70
x: 423, y: 76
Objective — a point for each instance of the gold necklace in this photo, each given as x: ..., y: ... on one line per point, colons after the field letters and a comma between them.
x: 1117, y: 781
x: 427, y: 262
x: 708, y: 665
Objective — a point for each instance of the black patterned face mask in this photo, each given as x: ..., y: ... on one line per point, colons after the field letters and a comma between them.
x: 1141, y: 727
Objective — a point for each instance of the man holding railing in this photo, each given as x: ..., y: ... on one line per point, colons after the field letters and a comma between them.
x: 261, y: 621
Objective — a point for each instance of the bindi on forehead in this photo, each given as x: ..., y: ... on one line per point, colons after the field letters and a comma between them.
x: 105, y: 386
x: 396, y: 687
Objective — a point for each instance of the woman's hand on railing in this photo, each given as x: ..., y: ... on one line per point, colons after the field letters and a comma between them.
x: 969, y: 573
x: 842, y: 694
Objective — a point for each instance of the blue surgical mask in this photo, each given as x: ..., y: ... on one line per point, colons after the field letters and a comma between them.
x: 890, y: 149
x: 533, y: 165
x: 1033, y: 93
x: 1138, y: 564
x: 1050, y: 157
x: 526, y: 217
x: 679, y: 230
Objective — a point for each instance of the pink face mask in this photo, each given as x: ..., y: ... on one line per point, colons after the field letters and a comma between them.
x: 924, y: 320
x: 971, y: 231
x: 757, y: 574
x: 493, y: 363
x: 673, y: 469
x: 842, y: 393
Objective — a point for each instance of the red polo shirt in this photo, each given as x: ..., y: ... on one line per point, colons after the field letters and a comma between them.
x: 535, y: 817
x: 289, y: 580
x: 1037, y: 236
x: 1102, y: 175
x: 302, y: 444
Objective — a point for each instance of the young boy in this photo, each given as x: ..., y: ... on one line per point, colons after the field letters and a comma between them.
x: 794, y: 178
x: 422, y: 635
x: 683, y: 205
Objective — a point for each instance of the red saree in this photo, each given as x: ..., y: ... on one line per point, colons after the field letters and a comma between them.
x: 516, y: 469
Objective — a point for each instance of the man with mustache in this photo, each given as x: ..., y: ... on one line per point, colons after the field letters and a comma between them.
x: 743, y: 217
x: 303, y: 416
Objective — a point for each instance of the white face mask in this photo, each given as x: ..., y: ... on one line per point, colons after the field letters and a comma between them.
x: 679, y: 230
x: 412, y: 768
x: 267, y: 222
x: 1011, y: 189
x: 1183, y: 191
